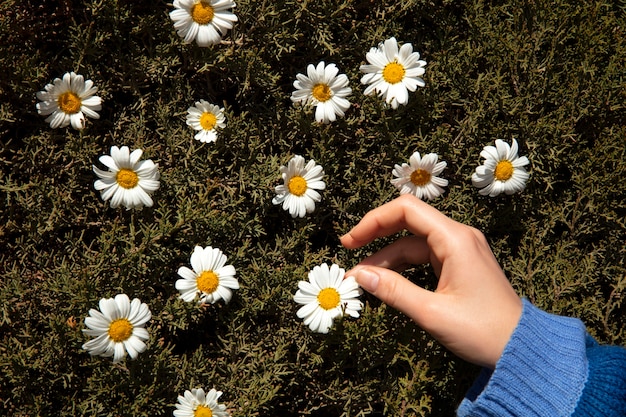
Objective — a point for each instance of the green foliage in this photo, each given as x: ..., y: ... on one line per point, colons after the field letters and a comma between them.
x: 550, y: 74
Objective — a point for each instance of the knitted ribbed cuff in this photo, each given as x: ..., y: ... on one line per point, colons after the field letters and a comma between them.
x: 541, y: 372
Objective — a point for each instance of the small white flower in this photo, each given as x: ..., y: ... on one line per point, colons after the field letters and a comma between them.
x: 196, y: 403
x: 128, y: 181
x: 327, y: 296
x: 211, y: 278
x: 206, y: 21
x: 502, y: 171
x: 393, y: 72
x: 118, y: 328
x: 298, y: 194
x: 206, y: 118
x: 323, y: 88
x: 68, y: 100
x: 420, y: 176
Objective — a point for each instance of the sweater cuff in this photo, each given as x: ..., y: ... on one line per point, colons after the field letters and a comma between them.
x: 542, y: 370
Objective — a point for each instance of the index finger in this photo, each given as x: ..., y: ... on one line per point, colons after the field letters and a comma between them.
x: 405, y: 212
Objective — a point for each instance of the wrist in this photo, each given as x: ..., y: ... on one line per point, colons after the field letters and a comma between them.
x: 542, y: 370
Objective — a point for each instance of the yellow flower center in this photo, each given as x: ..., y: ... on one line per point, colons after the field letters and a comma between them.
x: 69, y: 102
x: 297, y: 185
x: 328, y: 298
x: 202, y: 411
x: 321, y: 92
x: 207, y: 282
x: 420, y: 177
x: 202, y: 13
x: 120, y: 330
x: 504, y: 170
x: 127, y: 178
x: 208, y: 120
x: 393, y: 72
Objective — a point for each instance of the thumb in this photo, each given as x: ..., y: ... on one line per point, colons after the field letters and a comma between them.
x: 393, y: 289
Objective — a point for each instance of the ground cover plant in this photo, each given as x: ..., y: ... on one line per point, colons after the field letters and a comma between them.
x: 551, y: 75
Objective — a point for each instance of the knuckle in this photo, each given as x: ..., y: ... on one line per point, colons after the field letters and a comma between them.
x: 392, y: 292
x: 479, y: 238
x: 408, y: 199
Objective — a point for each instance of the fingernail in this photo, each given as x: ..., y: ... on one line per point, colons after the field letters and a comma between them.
x: 368, y: 280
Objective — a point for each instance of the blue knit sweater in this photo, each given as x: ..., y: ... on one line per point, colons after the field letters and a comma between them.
x: 550, y: 367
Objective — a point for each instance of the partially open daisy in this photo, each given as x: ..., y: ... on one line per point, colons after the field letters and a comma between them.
x: 210, y: 280
x: 393, y: 72
x: 196, y: 403
x: 323, y: 88
x: 206, y: 118
x: 206, y: 21
x: 128, y: 181
x: 327, y: 296
x: 502, y: 172
x: 420, y: 176
x: 68, y: 101
x: 118, y: 327
x: 298, y: 193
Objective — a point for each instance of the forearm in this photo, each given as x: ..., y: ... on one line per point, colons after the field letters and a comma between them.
x: 550, y: 367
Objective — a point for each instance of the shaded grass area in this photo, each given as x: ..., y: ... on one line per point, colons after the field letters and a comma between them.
x: 550, y: 74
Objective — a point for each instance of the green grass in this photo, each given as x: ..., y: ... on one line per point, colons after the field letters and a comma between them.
x: 550, y: 74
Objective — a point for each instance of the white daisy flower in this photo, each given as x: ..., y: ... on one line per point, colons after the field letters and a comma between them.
x: 502, y: 171
x: 211, y: 278
x: 420, y: 176
x: 298, y: 194
x: 327, y: 296
x: 68, y: 100
x: 393, y: 72
x: 196, y: 403
x: 206, y: 21
x: 128, y: 181
x: 206, y: 118
x: 323, y: 88
x: 118, y: 328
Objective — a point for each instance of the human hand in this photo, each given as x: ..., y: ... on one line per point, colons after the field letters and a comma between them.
x: 474, y: 309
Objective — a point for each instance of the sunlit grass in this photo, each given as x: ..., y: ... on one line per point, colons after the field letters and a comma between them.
x: 552, y: 77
